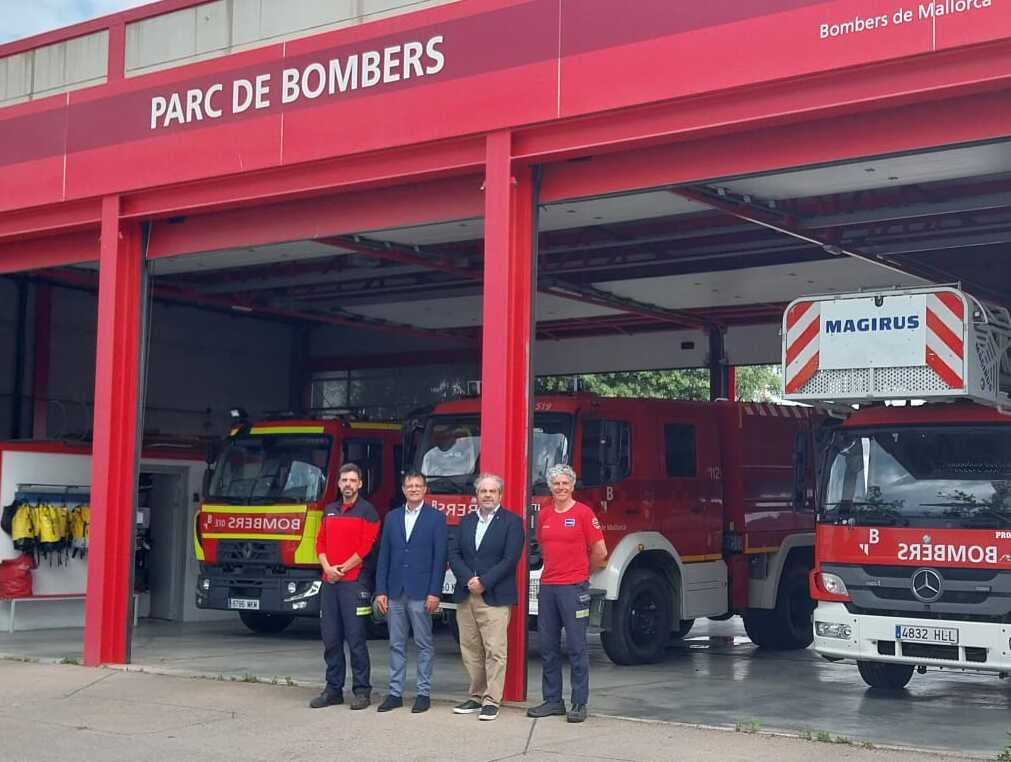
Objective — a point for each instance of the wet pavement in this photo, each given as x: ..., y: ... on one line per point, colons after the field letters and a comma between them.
x: 714, y: 677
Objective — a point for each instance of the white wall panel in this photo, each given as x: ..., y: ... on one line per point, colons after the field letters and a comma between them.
x: 57, y: 68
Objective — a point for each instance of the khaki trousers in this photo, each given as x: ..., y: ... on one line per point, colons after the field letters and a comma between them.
x: 484, y: 646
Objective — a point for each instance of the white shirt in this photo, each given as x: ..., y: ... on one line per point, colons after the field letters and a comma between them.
x: 482, y: 525
x: 411, y: 518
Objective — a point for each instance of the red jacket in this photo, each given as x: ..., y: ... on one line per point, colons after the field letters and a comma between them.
x: 347, y: 530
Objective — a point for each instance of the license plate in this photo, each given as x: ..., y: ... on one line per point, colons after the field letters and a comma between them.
x: 448, y: 583
x: 248, y: 604
x: 915, y: 634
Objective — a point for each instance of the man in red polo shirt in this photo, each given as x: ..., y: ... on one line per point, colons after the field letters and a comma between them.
x: 572, y: 546
x: 346, y: 535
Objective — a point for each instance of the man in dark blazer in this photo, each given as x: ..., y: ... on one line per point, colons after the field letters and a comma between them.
x: 483, y: 555
x: 409, y: 575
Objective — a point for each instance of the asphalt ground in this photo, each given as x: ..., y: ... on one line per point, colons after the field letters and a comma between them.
x: 715, y: 678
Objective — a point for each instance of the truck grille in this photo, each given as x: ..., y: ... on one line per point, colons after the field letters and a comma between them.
x: 248, y: 552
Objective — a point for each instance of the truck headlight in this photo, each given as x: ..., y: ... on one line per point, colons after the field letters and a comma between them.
x: 292, y: 588
x: 833, y: 630
x: 833, y: 583
x: 205, y: 584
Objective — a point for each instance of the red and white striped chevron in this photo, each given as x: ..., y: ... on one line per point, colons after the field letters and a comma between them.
x: 946, y: 337
x: 803, y: 326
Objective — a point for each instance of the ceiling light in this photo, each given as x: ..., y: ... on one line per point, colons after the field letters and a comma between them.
x: 241, y: 308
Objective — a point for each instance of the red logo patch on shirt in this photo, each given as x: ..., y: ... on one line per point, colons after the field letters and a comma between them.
x: 596, y: 524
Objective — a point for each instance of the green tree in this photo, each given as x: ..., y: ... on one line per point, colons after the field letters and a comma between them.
x: 757, y: 383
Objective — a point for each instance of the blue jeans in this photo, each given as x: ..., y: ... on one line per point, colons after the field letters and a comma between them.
x: 564, y: 607
x: 404, y: 614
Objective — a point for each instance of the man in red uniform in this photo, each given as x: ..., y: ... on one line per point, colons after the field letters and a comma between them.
x: 346, y: 535
x: 572, y: 546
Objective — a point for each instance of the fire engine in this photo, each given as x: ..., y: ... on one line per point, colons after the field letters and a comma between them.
x: 913, y: 562
x: 255, y: 532
x: 707, y: 509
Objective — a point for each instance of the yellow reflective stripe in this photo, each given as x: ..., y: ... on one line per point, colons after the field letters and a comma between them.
x: 229, y: 536
x: 582, y: 613
x: 363, y: 611
x: 234, y: 431
x: 286, y: 430
x: 698, y: 559
x: 198, y: 549
x: 305, y: 553
x: 267, y: 509
x: 768, y: 549
x: 381, y: 426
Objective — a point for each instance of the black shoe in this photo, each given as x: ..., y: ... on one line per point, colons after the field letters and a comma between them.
x: 421, y: 704
x: 547, y: 709
x: 326, y: 699
x: 577, y: 713
x: 467, y: 707
x: 361, y: 701
x: 488, y: 712
x: 389, y: 703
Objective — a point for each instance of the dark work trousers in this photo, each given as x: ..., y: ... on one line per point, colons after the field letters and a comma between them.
x: 343, y: 612
x: 568, y: 607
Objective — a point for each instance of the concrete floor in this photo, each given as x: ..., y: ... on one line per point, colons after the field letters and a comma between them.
x: 715, y: 677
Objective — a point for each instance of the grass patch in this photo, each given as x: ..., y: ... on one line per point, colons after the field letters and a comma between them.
x: 747, y: 726
x: 71, y: 660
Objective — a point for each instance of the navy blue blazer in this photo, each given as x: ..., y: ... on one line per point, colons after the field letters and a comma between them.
x: 417, y: 567
x: 494, y: 563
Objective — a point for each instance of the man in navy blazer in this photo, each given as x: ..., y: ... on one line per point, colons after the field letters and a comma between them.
x: 409, y: 575
x: 483, y: 555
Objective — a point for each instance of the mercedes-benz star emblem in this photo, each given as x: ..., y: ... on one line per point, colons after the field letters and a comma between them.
x: 926, y: 539
x: 926, y: 585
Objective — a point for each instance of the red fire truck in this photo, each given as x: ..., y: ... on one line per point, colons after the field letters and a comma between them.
x: 707, y: 509
x: 255, y: 532
x: 913, y: 565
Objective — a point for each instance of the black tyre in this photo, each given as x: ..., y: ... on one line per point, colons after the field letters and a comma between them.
x: 885, y: 675
x: 642, y: 621
x: 789, y: 626
x: 686, y: 627
x: 451, y: 625
x: 265, y: 624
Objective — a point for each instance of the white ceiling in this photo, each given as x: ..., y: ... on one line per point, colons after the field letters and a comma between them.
x: 465, y: 311
x: 244, y: 257
x: 931, y: 166
x: 757, y: 285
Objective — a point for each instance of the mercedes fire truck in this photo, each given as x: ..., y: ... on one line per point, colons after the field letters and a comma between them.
x: 913, y: 553
x: 707, y: 509
x: 255, y: 532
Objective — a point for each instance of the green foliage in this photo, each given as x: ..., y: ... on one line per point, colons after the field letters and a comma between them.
x: 1005, y: 754
x: 755, y: 383
x: 748, y: 726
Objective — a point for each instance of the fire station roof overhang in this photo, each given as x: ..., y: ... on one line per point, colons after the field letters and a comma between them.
x: 722, y: 252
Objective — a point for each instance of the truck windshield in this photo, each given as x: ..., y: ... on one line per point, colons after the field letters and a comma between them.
x: 450, y: 450
x: 950, y: 476
x: 282, y: 468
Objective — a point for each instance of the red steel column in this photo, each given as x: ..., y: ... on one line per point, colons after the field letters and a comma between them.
x: 115, y: 447
x: 507, y: 339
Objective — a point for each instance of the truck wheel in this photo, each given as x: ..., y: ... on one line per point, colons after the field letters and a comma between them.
x: 265, y: 624
x: 686, y: 627
x: 452, y: 626
x: 788, y: 626
x: 643, y: 620
x: 885, y: 675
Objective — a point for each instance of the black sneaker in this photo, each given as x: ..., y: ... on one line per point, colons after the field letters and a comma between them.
x: 389, y: 703
x: 577, y: 713
x: 488, y: 712
x: 326, y: 699
x: 467, y: 707
x: 547, y: 709
x: 361, y: 701
x: 421, y: 704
